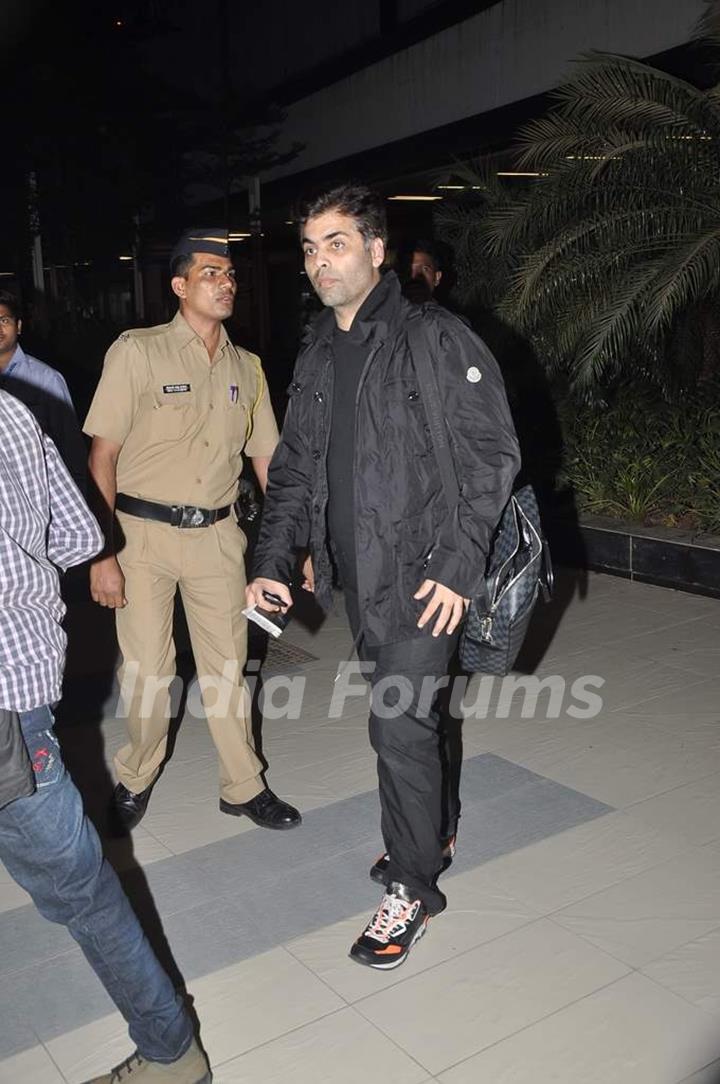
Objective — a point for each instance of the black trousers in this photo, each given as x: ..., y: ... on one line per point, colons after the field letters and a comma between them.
x: 418, y: 787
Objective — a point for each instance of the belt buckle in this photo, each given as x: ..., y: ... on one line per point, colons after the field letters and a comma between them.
x: 191, y: 517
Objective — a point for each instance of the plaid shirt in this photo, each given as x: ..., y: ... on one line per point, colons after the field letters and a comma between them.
x: 44, y: 522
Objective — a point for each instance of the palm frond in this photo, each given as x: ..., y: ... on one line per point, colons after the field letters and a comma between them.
x: 605, y: 253
x: 607, y: 232
x: 615, y: 329
x: 600, y: 74
x: 691, y: 271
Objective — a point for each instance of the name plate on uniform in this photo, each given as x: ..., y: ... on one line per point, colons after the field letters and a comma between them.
x: 173, y: 389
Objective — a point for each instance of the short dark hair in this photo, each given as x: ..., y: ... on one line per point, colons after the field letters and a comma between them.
x: 10, y: 302
x: 181, y: 265
x: 423, y: 244
x: 356, y: 201
x: 408, y: 249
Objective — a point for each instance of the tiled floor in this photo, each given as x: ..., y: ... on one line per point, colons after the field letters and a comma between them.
x: 581, y: 944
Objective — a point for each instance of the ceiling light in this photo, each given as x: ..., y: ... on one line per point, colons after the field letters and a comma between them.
x: 238, y: 236
x: 125, y: 258
x: 519, y: 173
x: 418, y: 199
x: 451, y: 187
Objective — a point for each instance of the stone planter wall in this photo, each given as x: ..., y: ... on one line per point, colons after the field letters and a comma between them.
x: 665, y: 556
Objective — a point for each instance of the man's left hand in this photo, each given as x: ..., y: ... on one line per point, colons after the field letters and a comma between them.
x: 308, y: 575
x: 448, y: 606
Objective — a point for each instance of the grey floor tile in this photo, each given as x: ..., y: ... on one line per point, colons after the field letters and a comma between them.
x: 307, y: 900
x: 48, y: 1001
x: 232, y: 899
x: 16, y: 1016
x: 210, y: 937
x: 488, y: 776
x: 524, y: 815
x: 26, y: 938
x: 220, y: 901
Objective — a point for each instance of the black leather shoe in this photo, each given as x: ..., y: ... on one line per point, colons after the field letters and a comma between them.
x: 128, y: 809
x: 264, y: 809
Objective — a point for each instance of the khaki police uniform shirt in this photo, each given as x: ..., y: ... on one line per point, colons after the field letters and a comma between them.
x: 182, y: 420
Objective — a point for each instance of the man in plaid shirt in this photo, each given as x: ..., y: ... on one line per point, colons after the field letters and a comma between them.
x: 46, y: 842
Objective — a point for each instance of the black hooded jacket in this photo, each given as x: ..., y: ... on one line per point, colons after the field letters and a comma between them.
x: 403, y: 531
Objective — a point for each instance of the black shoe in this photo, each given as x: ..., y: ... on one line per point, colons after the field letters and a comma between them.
x: 265, y: 809
x: 397, y: 924
x: 378, y: 871
x: 128, y: 809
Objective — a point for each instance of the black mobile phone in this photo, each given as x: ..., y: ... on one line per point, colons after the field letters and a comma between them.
x: 275, y: 599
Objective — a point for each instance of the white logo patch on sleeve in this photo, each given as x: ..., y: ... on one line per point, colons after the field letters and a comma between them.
x: 473, y: 374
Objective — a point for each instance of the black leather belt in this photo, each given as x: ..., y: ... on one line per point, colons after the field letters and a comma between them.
x: 177, y: 515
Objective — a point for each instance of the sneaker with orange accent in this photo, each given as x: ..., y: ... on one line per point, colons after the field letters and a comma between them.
x: 397, y: 924
x: 378, y: 871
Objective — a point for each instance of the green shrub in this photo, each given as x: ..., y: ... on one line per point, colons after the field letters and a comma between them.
x: 706, y: 478
x: 644, y: 459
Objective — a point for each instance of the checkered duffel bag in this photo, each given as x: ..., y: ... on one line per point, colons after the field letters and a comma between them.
x: 519, y: 569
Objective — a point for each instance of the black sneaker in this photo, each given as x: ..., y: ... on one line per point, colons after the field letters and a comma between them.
x: 378, y: 871
x: 397, y: 924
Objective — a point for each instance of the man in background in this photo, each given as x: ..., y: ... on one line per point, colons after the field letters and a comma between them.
x: 42, y: 389
x: 420, y: 270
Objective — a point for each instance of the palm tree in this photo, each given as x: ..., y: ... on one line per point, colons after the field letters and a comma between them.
x: 460, y: 221
x: 615, y: 247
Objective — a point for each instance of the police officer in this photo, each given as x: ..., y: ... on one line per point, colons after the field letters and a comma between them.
x: 176, y: 408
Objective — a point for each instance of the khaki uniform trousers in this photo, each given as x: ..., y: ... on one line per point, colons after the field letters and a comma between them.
x: 207, y: 564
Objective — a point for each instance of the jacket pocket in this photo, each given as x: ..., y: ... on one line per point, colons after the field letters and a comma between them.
x: 406, y: 422
x: 414, y: 542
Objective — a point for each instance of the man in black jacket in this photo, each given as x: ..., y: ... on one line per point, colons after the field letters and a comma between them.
x: 355, y: 478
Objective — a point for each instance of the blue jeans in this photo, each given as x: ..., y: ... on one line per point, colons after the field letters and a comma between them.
x: 50, y: 848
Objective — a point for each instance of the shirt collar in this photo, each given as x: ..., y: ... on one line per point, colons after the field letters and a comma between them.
x: 185, y: 334
x: 15, y: 361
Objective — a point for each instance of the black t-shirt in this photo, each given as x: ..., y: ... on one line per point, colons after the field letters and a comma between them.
x: 350, y: 352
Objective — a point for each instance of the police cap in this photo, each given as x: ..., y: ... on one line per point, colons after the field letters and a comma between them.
x: 213, y: 239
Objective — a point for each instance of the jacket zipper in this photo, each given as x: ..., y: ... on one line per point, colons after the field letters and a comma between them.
x: 363, y: 375
x: 329, y: 384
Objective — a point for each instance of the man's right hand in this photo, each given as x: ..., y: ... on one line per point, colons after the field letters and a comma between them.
x: 254, y: 594
x: 107, y: 583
